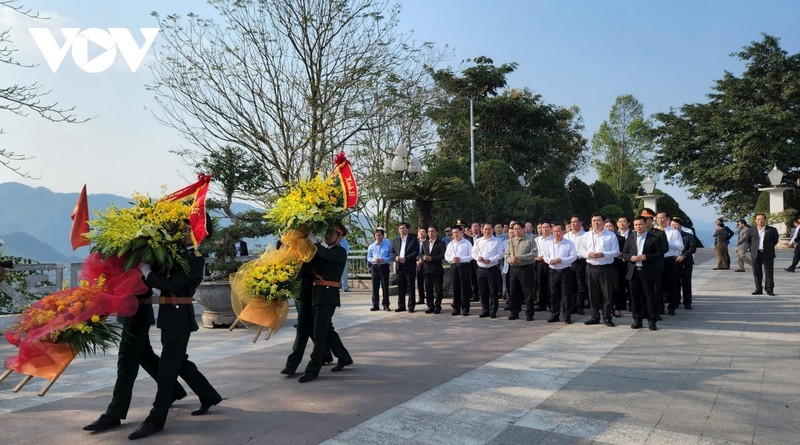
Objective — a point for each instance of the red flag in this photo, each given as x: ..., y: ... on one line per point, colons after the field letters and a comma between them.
x: 342, y: 168
x: 80, y: 221
x: 197, y: 217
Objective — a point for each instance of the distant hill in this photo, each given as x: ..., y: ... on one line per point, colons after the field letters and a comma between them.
x: 35, y: 222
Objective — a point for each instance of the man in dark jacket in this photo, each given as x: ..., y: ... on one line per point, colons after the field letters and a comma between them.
x: 176, y: 319
x: 685, y: 264
x: 763, y: 239
x: 430, y: 259
x: 643, y: 254
x: 405, y: 250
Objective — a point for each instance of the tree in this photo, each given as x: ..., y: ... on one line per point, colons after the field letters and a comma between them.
x: 722, y: 149
x: 292, y: 83
x: 427, y: 191
x: 512, y: 124
x: 24, y: 99
x: 583, y: 202
x: 621, y: 147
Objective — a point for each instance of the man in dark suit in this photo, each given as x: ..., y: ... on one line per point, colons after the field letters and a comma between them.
x: 685, y: 264
x: 176, y: 319
x: 405, y: 250
x: 643, y: 254
x: 431, y: 261
x: 330, y: 261
x: 134, y: 350
x: 763, y: 239
x: 795, y: 242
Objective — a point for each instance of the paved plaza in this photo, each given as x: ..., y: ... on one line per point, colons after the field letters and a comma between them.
x: 723, y: 373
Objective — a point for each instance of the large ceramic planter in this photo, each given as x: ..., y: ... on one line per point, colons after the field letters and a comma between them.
x: 215, y: 297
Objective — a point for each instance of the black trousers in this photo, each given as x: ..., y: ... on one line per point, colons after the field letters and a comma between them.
x: 175, y: 362
x: 473, y: 279
x: 579, y: 283
x: 795, y: 258
x: 669, y: 281
x: 768, y: 265
x: 541, y: 272
x: 488, y: 279
x: 621, y: 293
x: 325, y: 339
x: 600, y: 281
x: 684, y: 283
x: 134, y: 350
x: 406, y: 280
x: 644, y: 299
x: 380, y: 281
x: 420, y: 284
x: 522, y: 283
x: 561, y: 293
x: 433, y: 290
x: 462, y: 286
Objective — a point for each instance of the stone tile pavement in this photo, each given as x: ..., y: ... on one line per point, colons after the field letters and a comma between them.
x: 725, y: 372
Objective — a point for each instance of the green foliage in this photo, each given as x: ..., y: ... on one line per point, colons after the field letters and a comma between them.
x: 603, y: 194
x: 721, y: 149
x: 612, y: 212
x: 583, y: 203
x: 762, y: 204
x: 621, y: 145
x: 501, y: 191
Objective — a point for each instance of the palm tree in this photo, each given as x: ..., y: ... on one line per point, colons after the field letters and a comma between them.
x: 425, y: 192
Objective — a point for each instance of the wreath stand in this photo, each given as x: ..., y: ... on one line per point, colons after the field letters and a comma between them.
x: 50, y: 365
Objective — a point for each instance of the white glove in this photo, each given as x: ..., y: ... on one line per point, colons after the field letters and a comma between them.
x: 312, y: 238
x: 145, y: 269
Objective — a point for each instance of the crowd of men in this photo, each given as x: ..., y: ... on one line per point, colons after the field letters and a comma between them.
x: 643, y: 265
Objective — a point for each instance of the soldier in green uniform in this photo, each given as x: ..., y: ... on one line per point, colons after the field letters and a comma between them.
x: 330, y: 262
x: 134, y: 350
x: 176, y: 319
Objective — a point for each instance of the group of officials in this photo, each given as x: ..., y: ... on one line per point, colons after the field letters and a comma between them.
x: 558, y: 269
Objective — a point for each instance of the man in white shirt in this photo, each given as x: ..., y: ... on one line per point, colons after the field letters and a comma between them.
x: 487, y: 252
x: 459, y: 254
x: 579, y: 266
x: 795, y: 242
x: 559, y: 254
x: 599, y: 247
x: 669, y: 277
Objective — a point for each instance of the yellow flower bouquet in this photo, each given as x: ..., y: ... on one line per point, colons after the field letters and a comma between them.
x: 275, y: 282
x: 315, y: 203
x: 149, y: 232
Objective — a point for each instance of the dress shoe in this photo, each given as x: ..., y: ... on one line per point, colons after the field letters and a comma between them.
x: 652, y: 326
x: 610, y: 323
x: 671, y: 313
x: 327, y: 360
x: 102, y: 423
x: 758, y: 292
x: 400, y: 309
x: 492, y: 314
x: 552, y: 319
x: 715, y: 268
x: 474, y: 299
x: 386, y: 308
x: 637, y: 324
x: 580, y: 312
x: 528, y: 317
x: 438, y: 310
x: 770, y: 293
x: 145, y: 429
x: 658, y: 318
x: 288, y: 371
x: 465, y: 313
x: 687, y: 307
x: 177, y: 397
x: 420, y: 302
x: 456, y: 312
x: 513, y: 316
x: 204, y: 407
x: 307, y: 377
x: 592, y: 321
x: 374, y: 308
x: 739, y: 270
x: 429, y: 310
x: 506, y: 308
x: 411, y: 310
x: 568, y: 321
x: 483, y: 315
x: 339, y: 366
x: 787, y: 270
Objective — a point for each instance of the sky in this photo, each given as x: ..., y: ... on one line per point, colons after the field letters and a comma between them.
x: 583, y: 53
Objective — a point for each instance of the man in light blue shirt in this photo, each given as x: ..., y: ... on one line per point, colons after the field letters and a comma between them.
x: 345, y: 283
x: 379, y: 255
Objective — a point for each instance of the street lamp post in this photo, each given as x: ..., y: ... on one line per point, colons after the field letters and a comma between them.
x: 649, y: 198
x: 403, y: 162
x: 776, y: 196
x: 471, y: 143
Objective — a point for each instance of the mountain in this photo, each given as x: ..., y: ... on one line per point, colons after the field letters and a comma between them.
x: 35, y: 222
